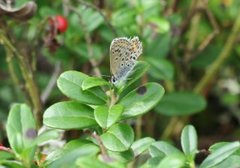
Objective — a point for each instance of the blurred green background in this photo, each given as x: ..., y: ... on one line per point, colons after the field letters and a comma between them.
x: 192, y: 47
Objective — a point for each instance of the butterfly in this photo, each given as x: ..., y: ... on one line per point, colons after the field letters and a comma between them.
x: 124, y: 53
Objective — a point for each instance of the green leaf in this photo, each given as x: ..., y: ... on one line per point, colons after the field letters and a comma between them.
x: 118, y: 138
x: 160, y: 68
x: 106, y: 116
x: 70, y: 84
x: 152, y: 162
x: 87, y: 162
x: 21, y: 129
x: 123, y: 17
x: 5, y: 155
x: 140, y: 68
x: 70, y: 153
x: 91, y: 82
x: 176, y: 161
x: 160, y: 46
x: 123, y: 157
x: 69, y: 115
x: 160, y: 148
x: 218, y: 145
x: 162, y: 24
x: 220, y: 155
x: 11, y: 164
x: 138, y: 71
x: 189, y: 141
x: 46, y: 136
x: 232, y: 161
x: 141, y: 100
x: 141, y: 145
x: 91, y: 18
x: 181, y: 104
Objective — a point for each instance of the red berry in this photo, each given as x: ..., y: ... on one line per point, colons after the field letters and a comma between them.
x: 61, y: 23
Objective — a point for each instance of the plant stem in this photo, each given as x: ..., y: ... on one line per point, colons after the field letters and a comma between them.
x: 168, y: 131
x: 213, y: 69
x: 28, y: 76
x: 9, y: 57
x: 105, y: 155
x: 192, y: 35
x: 138, y: 127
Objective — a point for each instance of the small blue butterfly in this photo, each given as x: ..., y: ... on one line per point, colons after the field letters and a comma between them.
x: 124, y: 53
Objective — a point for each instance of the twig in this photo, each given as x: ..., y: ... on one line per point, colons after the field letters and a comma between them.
x: 28, y: 76
x: 213, y: 69
x: 51, y: 82
x: 100, y: 12
x: 9, y: 57
x: 193, y: 33
x: 138, y: 127
x: 105, y: 155
x: 212, y: 35
x: 171, y: 125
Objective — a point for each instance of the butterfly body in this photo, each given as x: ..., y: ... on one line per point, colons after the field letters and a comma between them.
x: 124, y: 53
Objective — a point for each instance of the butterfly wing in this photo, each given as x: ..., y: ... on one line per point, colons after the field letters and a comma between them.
x: 119, y: 50
x: 123, y: 55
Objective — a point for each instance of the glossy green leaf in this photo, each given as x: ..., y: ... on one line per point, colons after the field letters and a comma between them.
x: 5, y: 155
x: 141, y: 100
x: 216, y: 146
x: 123, y: 17
x: 70, y: 153
x: 160, y: 46
x: 87, y: 162
x: 46, y: 136
x: 106, y: 116
x: 160, y: 68
x: 69, y: 115
x: 162, y: 24
x: 220, y: 155
x: 118, y: 138
x: 189, y: 141
x: 91, y: 18
x: 152, y: 162
x: 91, y: 82
x: 141, y: 145
x: 176, y: 161
x: 70, y: 84
x: 159, y: 148
x: 181, y: 104
x: 21, y: 128
x: 232, y: 161
x: 138, y: 71
x: 123, y: 157
x: 11, y: 164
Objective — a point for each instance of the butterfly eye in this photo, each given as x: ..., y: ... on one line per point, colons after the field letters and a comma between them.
x: 113, y: 80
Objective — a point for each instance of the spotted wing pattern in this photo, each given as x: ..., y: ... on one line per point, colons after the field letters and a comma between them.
x: 123, y: 55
